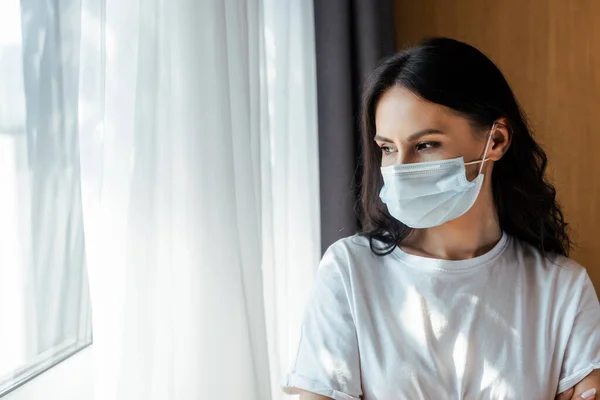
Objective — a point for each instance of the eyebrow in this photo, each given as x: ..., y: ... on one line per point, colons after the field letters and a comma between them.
x: 415, y: 136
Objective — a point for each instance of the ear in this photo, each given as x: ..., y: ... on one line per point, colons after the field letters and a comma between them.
x: 501, y: 138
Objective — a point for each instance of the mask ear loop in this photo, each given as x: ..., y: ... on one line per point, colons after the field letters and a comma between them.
x: 487, y: 145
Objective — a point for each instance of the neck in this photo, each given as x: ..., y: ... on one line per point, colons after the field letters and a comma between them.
x: 471, y: 235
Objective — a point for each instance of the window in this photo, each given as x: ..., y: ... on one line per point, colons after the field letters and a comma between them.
x: 44, y: 296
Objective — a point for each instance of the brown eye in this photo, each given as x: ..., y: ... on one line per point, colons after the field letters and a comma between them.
x: 426, y: 146
x: 386, y: 150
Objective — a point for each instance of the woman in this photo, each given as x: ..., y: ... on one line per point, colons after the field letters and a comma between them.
x: 459, y: 285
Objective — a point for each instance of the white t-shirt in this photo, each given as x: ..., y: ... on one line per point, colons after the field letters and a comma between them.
x: 509, y: 324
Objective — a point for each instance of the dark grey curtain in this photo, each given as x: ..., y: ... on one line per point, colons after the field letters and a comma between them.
x: 351, y: 37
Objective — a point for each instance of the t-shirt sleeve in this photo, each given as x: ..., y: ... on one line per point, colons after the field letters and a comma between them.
x: 327, y: 361
x: 582, y: 353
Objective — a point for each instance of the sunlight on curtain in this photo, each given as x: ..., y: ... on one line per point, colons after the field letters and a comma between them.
x: 291, y: 202
x: 201, y: 197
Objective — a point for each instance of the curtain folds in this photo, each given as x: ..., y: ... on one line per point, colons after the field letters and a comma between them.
x: 202, y: 208
x: 291, y: 192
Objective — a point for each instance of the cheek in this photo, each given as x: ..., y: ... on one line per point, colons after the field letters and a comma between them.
x: 472, y: 171
x: 387, y: 160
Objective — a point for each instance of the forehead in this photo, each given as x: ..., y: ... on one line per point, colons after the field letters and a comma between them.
x: 400, y: 111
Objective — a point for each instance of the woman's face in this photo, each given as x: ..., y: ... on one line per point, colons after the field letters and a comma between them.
x: 412, y: 130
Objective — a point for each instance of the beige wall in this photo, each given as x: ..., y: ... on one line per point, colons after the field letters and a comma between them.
x: 549, y: 50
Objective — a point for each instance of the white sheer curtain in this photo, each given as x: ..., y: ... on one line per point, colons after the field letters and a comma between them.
x: 201, y: 196
x: 292, y: 240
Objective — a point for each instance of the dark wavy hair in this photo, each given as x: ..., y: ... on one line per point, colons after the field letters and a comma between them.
x: 456, y: 75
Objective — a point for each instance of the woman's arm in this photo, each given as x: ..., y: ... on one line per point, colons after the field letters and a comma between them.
x: 592, y: 381
x: 327, y: 360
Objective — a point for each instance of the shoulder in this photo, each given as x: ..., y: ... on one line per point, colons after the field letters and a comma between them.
x: 352, y: 246
x: 548, y: 266
x: 350, y: 257
x: 350, y: 252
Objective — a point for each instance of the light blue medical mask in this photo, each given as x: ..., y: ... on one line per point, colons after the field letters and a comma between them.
x: 428, y: 194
